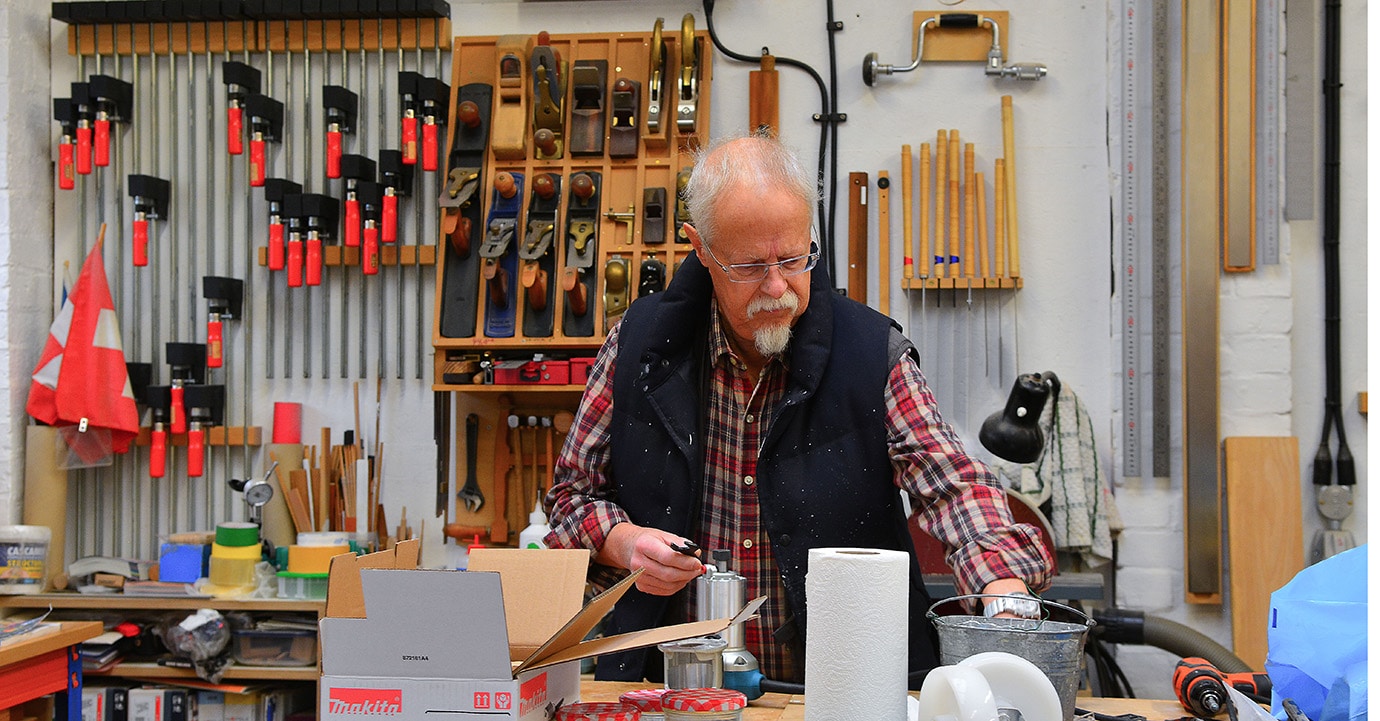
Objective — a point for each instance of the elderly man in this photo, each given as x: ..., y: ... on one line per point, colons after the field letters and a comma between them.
x: 749, y: 407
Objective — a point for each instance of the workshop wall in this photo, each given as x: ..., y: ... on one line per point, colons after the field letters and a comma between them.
x: 26, y: 225
x: 1064, y: 319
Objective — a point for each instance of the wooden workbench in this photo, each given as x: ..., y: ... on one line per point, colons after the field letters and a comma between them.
x: 44, y: 663
x: 781, y: 707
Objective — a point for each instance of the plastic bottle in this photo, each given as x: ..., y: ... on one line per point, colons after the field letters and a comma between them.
x: 535, y: 531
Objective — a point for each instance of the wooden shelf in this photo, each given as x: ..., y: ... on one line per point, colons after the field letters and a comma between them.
x: 155, y: 603
x: 233, y: 671
x: 962, y: 283
x: 518, y: 389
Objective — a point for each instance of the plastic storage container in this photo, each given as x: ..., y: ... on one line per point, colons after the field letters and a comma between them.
x: 23, y: 558
x: 305, y: 586
x: 274, y: 648
x: 704, y: 704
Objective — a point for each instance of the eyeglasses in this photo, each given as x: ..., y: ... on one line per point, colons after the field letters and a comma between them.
x: 757, y: 272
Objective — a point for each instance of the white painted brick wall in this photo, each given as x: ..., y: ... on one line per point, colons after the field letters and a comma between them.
x: 26, y: 222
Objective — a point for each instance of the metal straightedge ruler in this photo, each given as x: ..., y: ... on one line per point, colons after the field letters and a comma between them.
x: 1268, y: 151
x: 1143, y: 222
x: 1145, y: 204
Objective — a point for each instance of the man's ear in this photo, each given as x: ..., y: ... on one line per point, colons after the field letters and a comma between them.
x: 697, y: 243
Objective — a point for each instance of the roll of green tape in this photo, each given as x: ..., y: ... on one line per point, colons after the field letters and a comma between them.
x: 237, y: 534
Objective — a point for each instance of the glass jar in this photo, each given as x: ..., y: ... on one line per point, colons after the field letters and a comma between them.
x: 694, y: 662
x: 597, y: 712
x: 647, y: 701
x: 704, y: 704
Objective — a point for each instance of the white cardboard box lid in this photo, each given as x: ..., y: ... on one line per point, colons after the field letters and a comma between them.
x: 422, y: 624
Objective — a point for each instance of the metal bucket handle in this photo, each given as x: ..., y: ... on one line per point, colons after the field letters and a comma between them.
x: 1087, y: 620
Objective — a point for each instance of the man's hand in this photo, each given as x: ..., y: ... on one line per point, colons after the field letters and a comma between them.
x: 1002, y: 587
x: 665, y: 570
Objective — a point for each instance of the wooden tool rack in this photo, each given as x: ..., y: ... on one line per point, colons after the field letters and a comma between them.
x: 620, y: 227
x: 506, y: 459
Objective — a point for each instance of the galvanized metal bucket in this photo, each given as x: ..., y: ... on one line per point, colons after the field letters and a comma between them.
x: 1055, y: 647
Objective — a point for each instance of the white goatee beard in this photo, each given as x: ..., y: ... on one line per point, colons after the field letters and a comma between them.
x: 772, y: 340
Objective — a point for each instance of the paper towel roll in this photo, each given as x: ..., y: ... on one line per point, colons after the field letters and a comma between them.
x: 857, y: 637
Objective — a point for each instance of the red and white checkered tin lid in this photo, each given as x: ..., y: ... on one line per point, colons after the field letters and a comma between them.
x: 645, y: 699
x: 704, y: 699
x: 598, y: 712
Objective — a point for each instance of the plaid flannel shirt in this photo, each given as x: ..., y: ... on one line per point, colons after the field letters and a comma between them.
x: 959, y: 500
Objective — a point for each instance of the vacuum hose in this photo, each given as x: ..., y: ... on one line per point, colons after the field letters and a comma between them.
x: 1115, y: 625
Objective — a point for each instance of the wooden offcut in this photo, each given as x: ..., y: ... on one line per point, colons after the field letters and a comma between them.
x: 1264, y: 534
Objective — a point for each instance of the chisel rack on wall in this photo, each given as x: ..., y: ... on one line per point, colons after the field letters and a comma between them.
x: 560, y: 205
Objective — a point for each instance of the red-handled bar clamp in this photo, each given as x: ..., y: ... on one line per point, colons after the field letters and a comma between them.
x: 240, y: 80
x: 150, y: 196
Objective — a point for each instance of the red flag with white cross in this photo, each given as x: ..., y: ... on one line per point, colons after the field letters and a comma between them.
x: 81, y: 379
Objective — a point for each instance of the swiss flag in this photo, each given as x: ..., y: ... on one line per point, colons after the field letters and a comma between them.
x: 81, y: 377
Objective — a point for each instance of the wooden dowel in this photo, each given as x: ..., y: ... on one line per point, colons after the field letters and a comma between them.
x: 941, y: 190
x: 999, y: 217
x: 955, y: 248
x: 907, y: 257
x: 955, y: 209
x: 1013, y: 236
x: 969, y: 255
x: 981, y: 202
x: 924, y: 258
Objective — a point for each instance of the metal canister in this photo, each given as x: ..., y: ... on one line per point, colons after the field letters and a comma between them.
x: 722, y: 592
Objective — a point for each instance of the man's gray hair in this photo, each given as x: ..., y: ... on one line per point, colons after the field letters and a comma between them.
x: 762, y: 162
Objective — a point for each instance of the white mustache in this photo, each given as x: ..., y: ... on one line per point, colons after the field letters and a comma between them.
x: 788, y: 301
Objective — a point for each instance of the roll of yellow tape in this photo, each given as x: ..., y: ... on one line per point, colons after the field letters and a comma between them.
x: 232, y: 571
x: 237, y: 553
x: 313, y: 559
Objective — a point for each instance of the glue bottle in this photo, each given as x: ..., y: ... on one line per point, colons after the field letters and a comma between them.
x: 536, y: 530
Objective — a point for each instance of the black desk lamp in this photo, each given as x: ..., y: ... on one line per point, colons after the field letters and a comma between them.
x: 1013, y: 433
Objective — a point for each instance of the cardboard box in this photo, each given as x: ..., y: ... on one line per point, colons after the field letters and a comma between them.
x: 502, y: 640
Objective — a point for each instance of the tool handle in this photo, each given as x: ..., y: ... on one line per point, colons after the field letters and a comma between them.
x: 463, y: 533
x: 179, y: 410
x: 141, y: 243
x: 196, y: 452
x: 256, y: 163
x: 958, y: 20
x: 158, y: 452
x: 83, y: 150
x: 101, y: 151
x: 471, y: 445
x: 294, y: 263
x: 409, y: 140
x: 275, y: 246
x: 67, y: 159
x: 313, y: 261
x: 390, y: 219
x: 351, y: 223
x: 215, y: 349
x: 334, y: 145
x: 430, y: 145
x: 924, y: 257
x: 369, y: 261
x: 234, y: 131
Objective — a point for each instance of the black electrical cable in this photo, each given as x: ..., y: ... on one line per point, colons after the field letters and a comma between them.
x: 826, y: 222
x: 1332, y: 310
x: 831, y: 122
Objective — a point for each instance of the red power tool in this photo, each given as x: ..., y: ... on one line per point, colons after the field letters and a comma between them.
x: 1202, y: 689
